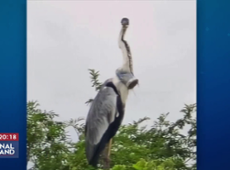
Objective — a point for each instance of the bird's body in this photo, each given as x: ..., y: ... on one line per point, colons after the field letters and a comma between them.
x: 107, y: 111
x: 108, y: 107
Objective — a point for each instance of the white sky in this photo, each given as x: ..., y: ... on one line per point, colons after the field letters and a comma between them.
x: 65, y: 38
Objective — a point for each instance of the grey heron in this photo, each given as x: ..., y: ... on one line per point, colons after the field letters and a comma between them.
x: 107, y: 109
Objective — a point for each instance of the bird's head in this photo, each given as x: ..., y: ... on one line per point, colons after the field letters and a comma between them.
x: 125, y: 22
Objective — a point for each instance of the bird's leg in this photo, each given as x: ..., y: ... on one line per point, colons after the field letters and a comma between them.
x: 109, y: 148
x: 106, y: 164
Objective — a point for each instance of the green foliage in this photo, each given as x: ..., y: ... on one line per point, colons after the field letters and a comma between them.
x: 94, y: 79
x: 47, y: 142
x: 163, y: 146
x: 162, y: 141
x: 95, y: 82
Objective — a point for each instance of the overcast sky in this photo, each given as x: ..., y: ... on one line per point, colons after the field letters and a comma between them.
x: 66, y: 38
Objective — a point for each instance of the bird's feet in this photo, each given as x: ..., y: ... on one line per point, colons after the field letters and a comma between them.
x: 106, y: 162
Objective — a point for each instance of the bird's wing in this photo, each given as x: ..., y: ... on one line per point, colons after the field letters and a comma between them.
x: 102, y: 112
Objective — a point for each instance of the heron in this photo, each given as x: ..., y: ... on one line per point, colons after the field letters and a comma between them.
x: 108, y: 107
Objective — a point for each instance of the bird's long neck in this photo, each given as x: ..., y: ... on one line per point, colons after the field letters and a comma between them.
x: 122, y: 88
x: 127, y: 57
